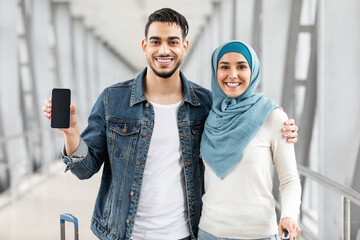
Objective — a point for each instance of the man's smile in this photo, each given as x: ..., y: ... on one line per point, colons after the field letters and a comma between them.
x: 164, y: 61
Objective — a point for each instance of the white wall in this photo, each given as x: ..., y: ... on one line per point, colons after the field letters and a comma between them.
x: 65, y: 53
x: 339, y: 102
x: 276, y: 20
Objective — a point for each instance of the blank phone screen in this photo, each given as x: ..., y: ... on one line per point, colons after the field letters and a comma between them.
x: 60, y: 108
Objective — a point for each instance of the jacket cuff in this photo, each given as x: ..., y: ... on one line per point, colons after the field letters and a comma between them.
x: 79, y: 154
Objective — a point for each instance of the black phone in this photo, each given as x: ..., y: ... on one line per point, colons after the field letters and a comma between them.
x: 285, y: 235
x: 60, y: 108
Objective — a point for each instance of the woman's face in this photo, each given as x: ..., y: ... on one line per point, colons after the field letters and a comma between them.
x: 233, y: 74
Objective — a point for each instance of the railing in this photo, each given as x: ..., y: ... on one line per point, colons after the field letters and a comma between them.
x: 348, y: 195
x: 20, y: 182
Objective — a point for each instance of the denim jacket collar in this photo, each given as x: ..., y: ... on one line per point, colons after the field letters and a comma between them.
x: 138, y: 95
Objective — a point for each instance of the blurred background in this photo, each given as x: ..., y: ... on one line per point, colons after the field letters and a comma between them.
x: 309, y: 50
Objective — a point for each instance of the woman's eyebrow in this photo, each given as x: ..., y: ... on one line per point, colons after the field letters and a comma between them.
x: 239, y: 62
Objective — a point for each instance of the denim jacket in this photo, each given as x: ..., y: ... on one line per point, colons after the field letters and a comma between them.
x: 118, y: 135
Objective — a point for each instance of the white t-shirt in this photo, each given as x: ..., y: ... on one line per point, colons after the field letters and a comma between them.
x: 162, y: 212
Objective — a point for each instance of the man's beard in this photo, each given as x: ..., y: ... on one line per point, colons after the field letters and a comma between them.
x: 168, y: 74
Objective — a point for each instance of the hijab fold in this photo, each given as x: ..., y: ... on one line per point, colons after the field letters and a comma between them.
x: 233, y: 122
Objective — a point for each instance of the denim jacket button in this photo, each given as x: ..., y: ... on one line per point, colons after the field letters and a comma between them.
x: 132, y: 193
x: 127, y: 221
x: 147, y: 105
x: 144, y: 134
x: 138, y: 163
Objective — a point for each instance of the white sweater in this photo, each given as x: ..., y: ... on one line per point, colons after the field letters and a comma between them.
x: 242, y: 206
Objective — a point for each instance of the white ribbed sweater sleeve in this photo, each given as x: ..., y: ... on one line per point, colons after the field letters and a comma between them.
x: 285, y: 164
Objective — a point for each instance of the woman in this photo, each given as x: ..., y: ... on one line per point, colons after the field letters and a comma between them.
x: 240, y: 144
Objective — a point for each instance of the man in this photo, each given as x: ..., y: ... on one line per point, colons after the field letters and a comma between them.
x: 146, y: 132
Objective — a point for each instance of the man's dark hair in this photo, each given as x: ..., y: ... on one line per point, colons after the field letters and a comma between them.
x: 168, y: 15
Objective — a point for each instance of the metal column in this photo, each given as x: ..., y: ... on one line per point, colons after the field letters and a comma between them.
x: 355, y: 210
x: 303, y: 112
x: 28, y: 89
x: 4, y: 165
x: 257, y: 33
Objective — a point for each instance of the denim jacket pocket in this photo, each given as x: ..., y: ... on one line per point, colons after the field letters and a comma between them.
x: 123, y: 137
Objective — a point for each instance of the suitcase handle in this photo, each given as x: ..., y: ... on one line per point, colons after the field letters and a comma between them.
x: 70, y: 218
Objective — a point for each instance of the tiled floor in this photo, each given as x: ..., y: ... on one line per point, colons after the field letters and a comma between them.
x: 35, y: 216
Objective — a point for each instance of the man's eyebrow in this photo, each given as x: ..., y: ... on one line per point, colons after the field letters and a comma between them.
x: 154, y: 37
x: 173, y: 37
x: 159, y: 38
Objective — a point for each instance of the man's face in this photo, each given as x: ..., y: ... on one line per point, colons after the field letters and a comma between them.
x: 164, y: 48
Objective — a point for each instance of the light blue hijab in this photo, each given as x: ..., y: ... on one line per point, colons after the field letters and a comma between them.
x: 233, y: 122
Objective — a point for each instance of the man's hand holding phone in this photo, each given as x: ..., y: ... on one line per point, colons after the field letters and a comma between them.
x: 63, y: 116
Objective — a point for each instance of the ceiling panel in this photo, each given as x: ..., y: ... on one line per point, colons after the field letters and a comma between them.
x: 121, y: 23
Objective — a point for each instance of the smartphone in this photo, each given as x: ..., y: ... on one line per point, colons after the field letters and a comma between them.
x: 60, y: 108
x: 285, y: 235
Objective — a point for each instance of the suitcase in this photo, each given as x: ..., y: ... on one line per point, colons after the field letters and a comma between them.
x: 70, y: 218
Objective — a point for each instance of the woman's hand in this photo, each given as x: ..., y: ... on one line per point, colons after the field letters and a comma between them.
x: 291, y: 226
